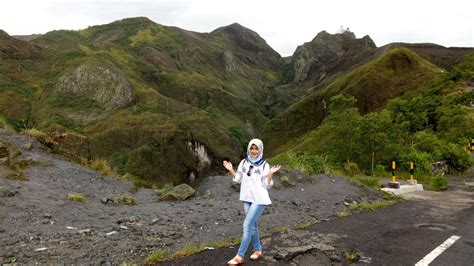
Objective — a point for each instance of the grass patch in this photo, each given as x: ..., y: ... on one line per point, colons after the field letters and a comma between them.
x: 18, y: 176
x: 389, y: 200
x: 352, y: 256
x: 370, y: 181
x: 103, y: 167
x: 344, y: 213
x: 5, y: 125
x: 165, y: 189
x: 36, y: 134
x: 187, y: 250
x: 371, y: 206
x: 126, y: 200
x: 157, y: 256
x: 76, y: 197
x: 305, y: 225
x: 280, y: 229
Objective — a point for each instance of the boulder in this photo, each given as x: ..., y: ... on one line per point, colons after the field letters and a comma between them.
x: 181, y: 192
x: 285, y: 181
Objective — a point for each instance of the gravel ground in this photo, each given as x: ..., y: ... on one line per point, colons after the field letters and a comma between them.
x: 39, y: 224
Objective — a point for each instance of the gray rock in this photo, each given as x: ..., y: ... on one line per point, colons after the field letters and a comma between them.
x: 7, y: 193
x: 207, y: 194
x: 285, y: 181
x: 106, y: 200
x: 181, y: 192
x: 27, y: 146
x: 85, y: 232
x: 335, y: 258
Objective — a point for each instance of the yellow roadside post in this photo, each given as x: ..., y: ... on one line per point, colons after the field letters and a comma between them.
x: 394, y: 183
x: 412, y: 171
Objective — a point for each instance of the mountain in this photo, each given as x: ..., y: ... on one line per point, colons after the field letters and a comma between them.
x: 373, y: 84
x: 166, y: 104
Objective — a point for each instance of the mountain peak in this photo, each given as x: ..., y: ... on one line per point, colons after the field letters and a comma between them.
x: 236, y: 29
x: 245, y: 38
x: 313, y: 60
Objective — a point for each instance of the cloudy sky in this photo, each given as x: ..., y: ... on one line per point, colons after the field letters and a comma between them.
x: 283, y: 24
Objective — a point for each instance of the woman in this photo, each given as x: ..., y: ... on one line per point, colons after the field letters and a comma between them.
x: 255, y: 176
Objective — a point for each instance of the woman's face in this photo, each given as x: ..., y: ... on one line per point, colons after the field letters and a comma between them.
x: 254, y: 151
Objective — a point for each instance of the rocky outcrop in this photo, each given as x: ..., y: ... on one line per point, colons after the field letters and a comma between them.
x: 158, y: 58
x: 11, y: 48
x: 102, y: 82
x: 311, y: 61
x: 201, y: 154
x: 229, y: 61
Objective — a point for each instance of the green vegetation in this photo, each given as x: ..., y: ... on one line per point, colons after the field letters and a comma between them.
x: 103, y: 167
x: 369, y: 206
x: 304, y: 225
x: 352, y: 256
x: 305, y: 162
x: 188, y: 249
x: 36, y: 134
x: 76, y: 197
x: 372, y: 85
x: 280, y: 229
x: 126, y: 200
x: 165, y: 189
x: 439, y: 183
x: 156, y: 257
x: 422, y: 126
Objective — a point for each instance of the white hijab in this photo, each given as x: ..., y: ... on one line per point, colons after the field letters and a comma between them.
x: 260, y: 158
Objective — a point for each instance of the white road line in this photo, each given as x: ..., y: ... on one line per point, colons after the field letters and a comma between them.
x: 437, y: 251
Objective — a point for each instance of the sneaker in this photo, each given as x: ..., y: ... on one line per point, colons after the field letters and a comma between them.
x: 237, y: 260
x: 256, y: 255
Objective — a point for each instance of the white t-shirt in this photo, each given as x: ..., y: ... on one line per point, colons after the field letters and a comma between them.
x: 253, y: 188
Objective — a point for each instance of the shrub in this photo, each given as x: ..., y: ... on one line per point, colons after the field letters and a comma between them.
x: 35, y: 134
x: 456, y: 158
x: 379, y: 170
x: 156, y: 257
x: 439, y: 183
x: 103, y: 167
x: 370, y: 181
x: 76, y: 197
x: 305, y: 162
x: 126, y: 200
x: 422, y: 161
x: 351, y: 169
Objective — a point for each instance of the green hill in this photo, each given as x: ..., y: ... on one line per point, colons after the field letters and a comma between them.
x: 432, y: 123
x: 372, y: 84
x: 144, y: 95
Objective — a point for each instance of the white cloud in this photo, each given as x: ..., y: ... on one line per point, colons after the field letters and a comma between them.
x: 283, y: 24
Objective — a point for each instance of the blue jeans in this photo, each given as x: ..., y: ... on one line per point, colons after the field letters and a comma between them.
x: 252, y: 213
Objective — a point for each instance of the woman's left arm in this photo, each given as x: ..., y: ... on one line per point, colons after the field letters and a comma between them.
x: 273, y: 170
x: 267, y: 180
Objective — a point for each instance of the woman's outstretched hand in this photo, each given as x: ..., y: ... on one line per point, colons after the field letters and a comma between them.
x: 275, y: 168
x: 228, y: 165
